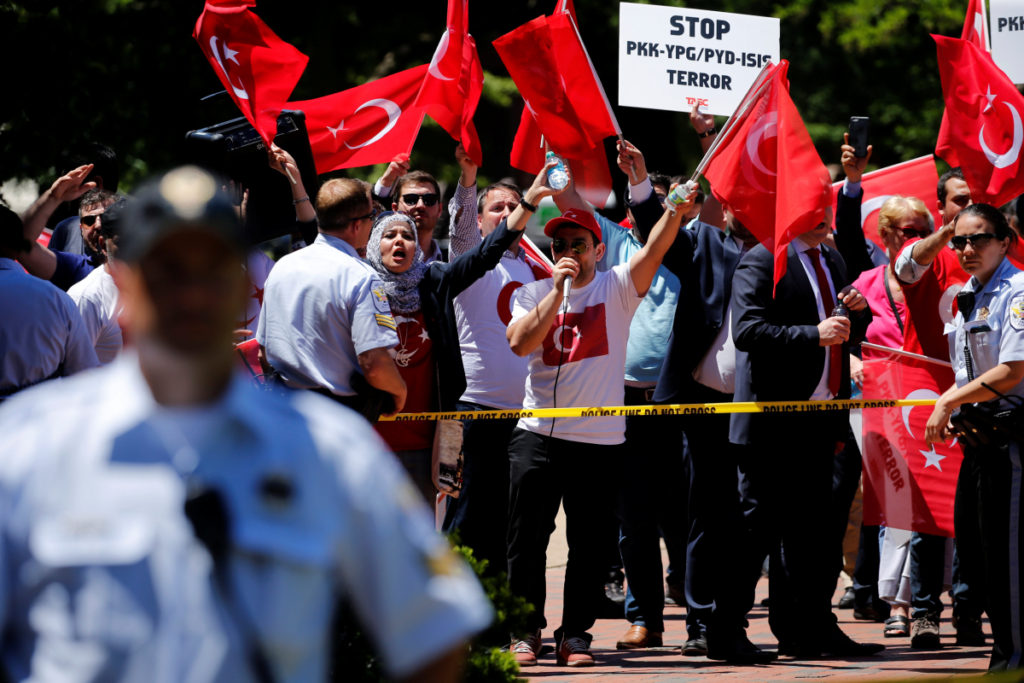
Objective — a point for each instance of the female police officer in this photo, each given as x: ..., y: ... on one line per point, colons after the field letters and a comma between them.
x: 987, y: 347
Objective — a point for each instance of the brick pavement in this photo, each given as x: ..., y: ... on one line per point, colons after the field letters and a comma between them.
x: 666, y: 664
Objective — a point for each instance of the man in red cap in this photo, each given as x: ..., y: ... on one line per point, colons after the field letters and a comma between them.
x: 573, y: 329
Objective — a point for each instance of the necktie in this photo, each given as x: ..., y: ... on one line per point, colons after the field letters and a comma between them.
x: 835, y: 352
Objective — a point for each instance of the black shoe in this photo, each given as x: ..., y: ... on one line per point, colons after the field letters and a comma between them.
x: 846, y: 602
x: 835, y: 644
x: 696, y: 647
x: 741, y: 651
x: 968, y: 631
x: 838, y: 644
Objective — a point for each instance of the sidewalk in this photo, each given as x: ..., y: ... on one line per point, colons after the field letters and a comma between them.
x: 666, y: 664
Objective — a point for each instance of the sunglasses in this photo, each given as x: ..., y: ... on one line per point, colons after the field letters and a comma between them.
x: 578, y: 246
x: 977, y: 240
x: 90, y: 220
x: 911, y: 233
x: 429, y: 198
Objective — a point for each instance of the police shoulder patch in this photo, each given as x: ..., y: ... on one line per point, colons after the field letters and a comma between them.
x: 380, y: 300
x: 1016, y: 312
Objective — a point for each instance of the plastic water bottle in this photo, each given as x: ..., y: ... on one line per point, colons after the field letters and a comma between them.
x: 558, y: 175
x: 677, y: 196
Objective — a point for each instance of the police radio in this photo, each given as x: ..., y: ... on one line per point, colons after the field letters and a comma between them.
x: 234, y: 149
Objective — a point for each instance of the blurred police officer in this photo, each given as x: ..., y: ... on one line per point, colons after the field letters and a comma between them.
x: 179, y: 525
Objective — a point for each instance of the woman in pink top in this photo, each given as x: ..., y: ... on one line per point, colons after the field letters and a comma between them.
x: 900, y: 219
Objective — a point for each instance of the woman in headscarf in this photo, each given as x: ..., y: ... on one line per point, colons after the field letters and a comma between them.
x: 421, y: 296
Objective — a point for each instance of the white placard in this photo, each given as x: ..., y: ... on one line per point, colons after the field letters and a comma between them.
x: 673, y: 57
x: 1006, y: 23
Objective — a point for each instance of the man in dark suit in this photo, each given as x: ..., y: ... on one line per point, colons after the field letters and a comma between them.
x: 790, y: 347
x: 700, y: 368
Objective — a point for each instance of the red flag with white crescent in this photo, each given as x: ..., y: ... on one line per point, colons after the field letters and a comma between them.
x: 565, y: 106
x: 985, y: 112
x: 454, y: 81
x: 368, y: 124
x: 908, y: 484
x: 258, y: 69
x: 975, y: 32
x: 914, y: 178
x: 767, y: 171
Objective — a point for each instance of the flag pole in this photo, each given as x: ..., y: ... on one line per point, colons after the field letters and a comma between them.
x: 755, y: 90
x: 600, y: 86
x: 908, y: 354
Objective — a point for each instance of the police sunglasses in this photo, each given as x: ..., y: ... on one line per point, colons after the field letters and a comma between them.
x: 90, y: 220
x: 977, y: 240
x: 429, y: 198
x: 578, y: 246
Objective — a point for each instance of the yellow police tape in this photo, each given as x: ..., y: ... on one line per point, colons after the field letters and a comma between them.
x: 666, y: 409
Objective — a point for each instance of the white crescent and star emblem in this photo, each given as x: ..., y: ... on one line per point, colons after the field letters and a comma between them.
x: 870, y: 206
x: 230, y: 55
x: 932, y: 459
x: 442, y: 49
x: 1010, y: 156
x: 560, y: 334
x: 764, y: 129
x: 390, y: 108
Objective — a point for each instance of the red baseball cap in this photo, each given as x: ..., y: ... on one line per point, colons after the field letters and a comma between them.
x: 576, y: 218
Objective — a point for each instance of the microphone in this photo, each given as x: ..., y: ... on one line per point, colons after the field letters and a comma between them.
x: 566, y: 288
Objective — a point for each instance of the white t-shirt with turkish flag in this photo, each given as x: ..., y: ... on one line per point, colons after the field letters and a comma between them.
x: 589, y: 342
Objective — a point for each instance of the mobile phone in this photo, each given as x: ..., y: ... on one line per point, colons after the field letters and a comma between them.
x: 859, y: 135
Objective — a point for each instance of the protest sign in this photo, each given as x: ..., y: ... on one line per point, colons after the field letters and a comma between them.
x: 1006, y: 21
x: 673, y: 58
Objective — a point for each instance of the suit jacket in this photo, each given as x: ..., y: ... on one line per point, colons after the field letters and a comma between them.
x: 778, y: 357
x: 704, y: 259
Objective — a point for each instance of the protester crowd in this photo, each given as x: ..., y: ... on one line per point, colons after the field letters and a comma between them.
x: 222, y: 517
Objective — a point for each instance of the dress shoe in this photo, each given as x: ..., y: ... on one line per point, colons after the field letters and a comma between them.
x: 739, y: 651
x: 838, y: 644
x: 847, y: 601
x: 968, y: 631
x: 639, y: 637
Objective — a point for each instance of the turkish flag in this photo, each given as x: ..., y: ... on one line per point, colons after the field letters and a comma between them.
x: 575, y: 336
x: 451, y: 89
x: 368, y: 124
x: 974, y: 32
x: 258, y: 69
x: 565, y: 106
x: 914, y: 178
x: 908, y: 484
x: 766, y: 170
x: 539, y: 263
x: 985, y: 128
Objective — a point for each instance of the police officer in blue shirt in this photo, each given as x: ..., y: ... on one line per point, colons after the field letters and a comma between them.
x: 987, y: 347
x: 179, y: 524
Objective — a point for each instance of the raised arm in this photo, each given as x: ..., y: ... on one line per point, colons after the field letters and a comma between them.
x: 39, y: 260
x: 644, y: 264
x: 464, y: 228
x: 850, y: 240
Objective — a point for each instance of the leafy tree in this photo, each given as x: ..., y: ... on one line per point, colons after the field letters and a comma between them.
x: 128, y: 72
